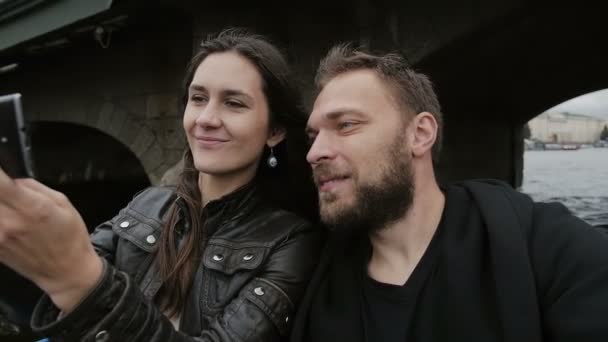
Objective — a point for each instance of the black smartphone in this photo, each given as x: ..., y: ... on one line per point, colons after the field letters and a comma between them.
x: 15, y: 156
x: 18, y: 295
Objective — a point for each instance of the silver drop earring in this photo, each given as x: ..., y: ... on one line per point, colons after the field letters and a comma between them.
x: 272, y: 160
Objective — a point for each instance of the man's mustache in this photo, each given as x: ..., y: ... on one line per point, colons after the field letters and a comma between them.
x: 322, y: 173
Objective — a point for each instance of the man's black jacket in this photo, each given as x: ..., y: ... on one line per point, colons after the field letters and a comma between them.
x: 508, y: 270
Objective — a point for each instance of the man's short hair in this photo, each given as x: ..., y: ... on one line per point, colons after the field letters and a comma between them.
x: 412, y: 90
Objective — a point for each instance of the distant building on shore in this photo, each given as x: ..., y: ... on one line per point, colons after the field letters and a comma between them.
x: 557, y: 127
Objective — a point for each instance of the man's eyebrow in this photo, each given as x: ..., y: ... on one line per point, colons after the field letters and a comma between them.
x: 338, y: 113
x: 334, y: 116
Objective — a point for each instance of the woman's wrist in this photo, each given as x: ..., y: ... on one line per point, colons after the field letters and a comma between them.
x: 67, y: 292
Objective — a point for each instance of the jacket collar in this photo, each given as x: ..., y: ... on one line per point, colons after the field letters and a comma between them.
x: 233, y: 202
x: 226, y: 208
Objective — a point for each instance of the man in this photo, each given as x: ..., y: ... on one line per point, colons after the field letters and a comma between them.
x: 409, y: 260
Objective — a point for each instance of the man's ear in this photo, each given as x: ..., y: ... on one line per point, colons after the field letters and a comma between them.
x: 277, y: 134
x: 424, y: 129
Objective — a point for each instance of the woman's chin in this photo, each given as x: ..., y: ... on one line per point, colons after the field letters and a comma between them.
x: 211, y: 170
x: 214, y: 168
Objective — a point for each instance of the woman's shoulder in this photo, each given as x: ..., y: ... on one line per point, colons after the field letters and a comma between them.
x: 284, y: 225
x: 154, y: 194
x: 151, y: 203
x: 139, y: 222
x: 270, y: 214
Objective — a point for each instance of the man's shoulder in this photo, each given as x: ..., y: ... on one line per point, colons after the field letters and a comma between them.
x: 486, y: 186
x: 497, y: 191
x: 493, y: 193
x: 500, y: 203
x: 500, y: 200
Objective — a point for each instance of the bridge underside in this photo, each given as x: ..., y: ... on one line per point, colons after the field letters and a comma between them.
x: 496, y: 64
x: 495, y: 80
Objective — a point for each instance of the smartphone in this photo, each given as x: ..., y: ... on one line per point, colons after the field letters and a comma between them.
x: 17, y: 295
x: 15, y: 156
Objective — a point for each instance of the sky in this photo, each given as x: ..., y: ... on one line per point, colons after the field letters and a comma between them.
x: 594, y: 104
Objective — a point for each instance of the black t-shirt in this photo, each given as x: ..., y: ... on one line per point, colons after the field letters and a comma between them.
x: 387, y: 309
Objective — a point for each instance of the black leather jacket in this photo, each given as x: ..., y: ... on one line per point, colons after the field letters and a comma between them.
x: 255, y: 267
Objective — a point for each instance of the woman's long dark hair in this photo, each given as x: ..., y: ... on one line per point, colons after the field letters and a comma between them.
x: 289, y: 185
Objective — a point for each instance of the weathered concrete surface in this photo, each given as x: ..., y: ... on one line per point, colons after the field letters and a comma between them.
x: 496, y: 64
x: 128, y: 91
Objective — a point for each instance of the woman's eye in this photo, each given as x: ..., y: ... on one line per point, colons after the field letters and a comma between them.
x: 310, y: 139
x: 198, y: 98
x: 234, y: 104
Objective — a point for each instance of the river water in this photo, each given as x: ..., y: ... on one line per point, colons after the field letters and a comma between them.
x: 578, y: 179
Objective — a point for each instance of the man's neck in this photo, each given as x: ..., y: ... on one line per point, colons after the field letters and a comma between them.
x: 398, y: 247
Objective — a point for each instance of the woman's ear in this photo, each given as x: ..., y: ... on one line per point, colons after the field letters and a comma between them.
x: 277, y: 134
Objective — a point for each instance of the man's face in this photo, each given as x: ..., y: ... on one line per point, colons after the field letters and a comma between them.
x: 359, y: 153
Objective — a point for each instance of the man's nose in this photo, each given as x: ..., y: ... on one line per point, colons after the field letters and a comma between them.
x: 320, y: 150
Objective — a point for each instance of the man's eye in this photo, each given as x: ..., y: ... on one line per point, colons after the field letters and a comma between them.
x: 345, y: 125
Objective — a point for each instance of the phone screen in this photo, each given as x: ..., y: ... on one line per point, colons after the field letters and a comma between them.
x: 15, y: 157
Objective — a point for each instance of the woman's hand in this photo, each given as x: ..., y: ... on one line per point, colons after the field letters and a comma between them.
x: 43, y: 238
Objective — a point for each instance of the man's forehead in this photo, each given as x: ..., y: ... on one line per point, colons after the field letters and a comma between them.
x: 352, y: 92
x: 351, y: 82
x: 330, y: 110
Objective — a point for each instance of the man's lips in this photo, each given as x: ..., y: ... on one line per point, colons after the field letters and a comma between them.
x: 328, y: 183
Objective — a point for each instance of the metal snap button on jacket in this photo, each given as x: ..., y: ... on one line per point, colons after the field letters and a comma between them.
x: 258, y: 291
x: 102, y: 336
x: 151, y: 239
x: 124, y: 224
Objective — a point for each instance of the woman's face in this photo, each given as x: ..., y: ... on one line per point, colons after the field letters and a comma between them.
x: 227, y: 117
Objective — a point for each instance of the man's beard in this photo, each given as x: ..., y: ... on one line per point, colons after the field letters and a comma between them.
x: 376, y: 204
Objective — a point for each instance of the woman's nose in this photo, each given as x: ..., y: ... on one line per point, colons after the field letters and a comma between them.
x: 209, y: 116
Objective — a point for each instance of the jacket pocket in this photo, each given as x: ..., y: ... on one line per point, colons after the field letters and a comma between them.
x: 230, y: 266
x: 137, y: 239
x: 143, y: 233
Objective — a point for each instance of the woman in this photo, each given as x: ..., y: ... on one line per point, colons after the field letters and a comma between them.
x: 216, y: 259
